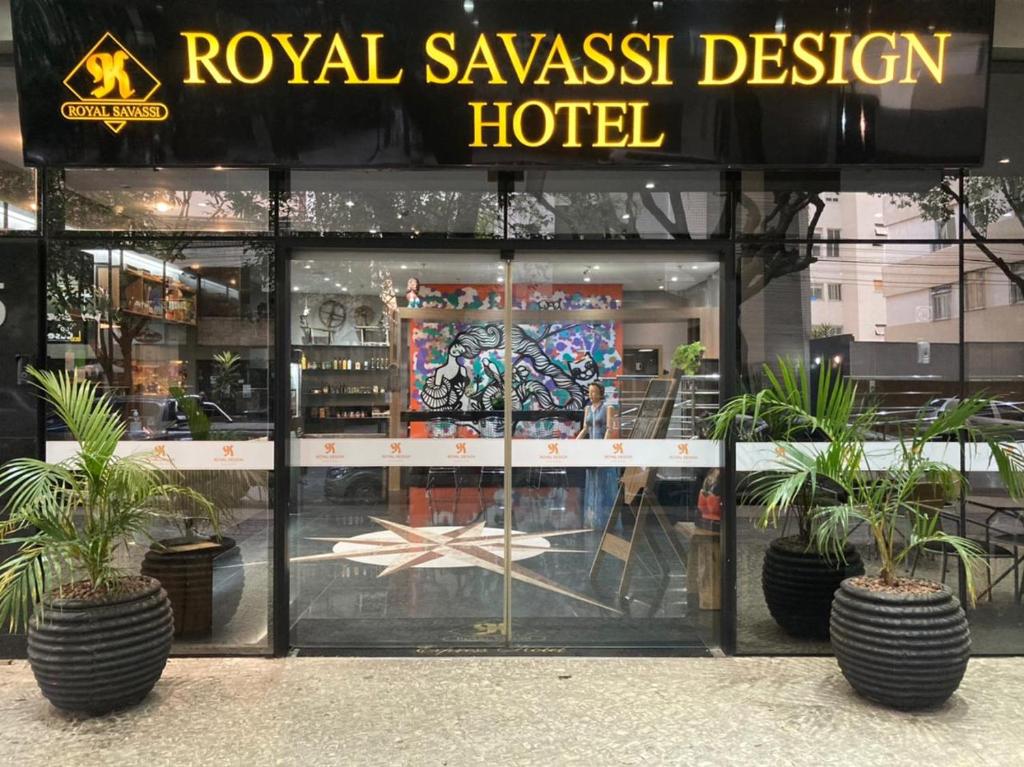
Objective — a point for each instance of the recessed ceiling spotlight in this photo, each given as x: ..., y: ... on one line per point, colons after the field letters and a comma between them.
x: 162, y: 207
x: 404, y: 266
x: 349, y: 203
x: 661, y: 287
x: 295, y: 289
x: 625, y: 217
x: 675, y: 279
x: 596, y: 266
x: 1005, y: 161
x: 307, y: 266
x: 695, y: 267
x: 649, y: 185
x: 500, y: 278
x: 586, y: 279
x: 337, y: 284
x: 344, y: 290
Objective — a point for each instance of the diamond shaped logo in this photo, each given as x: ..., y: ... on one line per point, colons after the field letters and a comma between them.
x: 112, y: 87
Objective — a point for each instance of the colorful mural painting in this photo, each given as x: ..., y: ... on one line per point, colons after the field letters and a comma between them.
x: 458, y: 366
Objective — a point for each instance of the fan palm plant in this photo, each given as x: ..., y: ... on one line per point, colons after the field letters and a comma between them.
x: 881, y: 486
x: 69, y: 519
x: 790, y: 408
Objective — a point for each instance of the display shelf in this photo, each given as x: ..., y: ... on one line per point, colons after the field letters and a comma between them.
x: 157, y: 318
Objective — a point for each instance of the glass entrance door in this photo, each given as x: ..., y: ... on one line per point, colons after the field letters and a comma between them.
x: 615, y: 372
x: 397, y: 498
x: 440, y: 494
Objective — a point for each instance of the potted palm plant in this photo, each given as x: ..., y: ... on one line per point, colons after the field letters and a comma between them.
x: 899, y: 640
x: 184, y: 562
x: 798, y: 580
x: 98, y: 638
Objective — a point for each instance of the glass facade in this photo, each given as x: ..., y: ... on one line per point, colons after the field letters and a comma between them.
x: 380, y: 377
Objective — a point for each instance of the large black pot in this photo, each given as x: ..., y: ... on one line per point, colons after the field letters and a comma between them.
x: 185, y: 569
x: 799, y: 584
x: 904, y: 650
x: 96, y: 656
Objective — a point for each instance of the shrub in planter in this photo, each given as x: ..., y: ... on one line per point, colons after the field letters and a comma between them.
x: 798, y: 580
x: 899, y: 640
x: 98, y: 638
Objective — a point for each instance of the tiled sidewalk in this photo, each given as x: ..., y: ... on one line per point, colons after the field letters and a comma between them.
x: 517, y: 711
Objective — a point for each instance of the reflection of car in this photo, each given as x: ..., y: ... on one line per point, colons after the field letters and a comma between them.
x: 1004, y: 419
x: 152, y: 418
x: 355, y: 484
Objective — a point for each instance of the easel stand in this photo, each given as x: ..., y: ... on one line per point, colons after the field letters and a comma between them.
x: 642, y: 504
x: 636, y: 491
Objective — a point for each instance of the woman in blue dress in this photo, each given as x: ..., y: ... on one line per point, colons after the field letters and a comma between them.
x: 600, y: 421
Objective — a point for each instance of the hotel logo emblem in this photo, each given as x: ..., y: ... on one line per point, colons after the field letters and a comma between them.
x: 112, y: 87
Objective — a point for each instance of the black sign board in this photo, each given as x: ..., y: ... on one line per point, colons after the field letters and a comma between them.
x: 570, y: 83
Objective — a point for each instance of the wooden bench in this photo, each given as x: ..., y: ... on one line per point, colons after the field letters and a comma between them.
x: 704, y: 575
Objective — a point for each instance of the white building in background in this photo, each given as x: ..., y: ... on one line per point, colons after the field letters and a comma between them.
x: 922, y: 292
x: 846, y: 281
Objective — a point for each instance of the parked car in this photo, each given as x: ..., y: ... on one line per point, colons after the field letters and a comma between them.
x: 357, y: 485
x: 1006, y: 419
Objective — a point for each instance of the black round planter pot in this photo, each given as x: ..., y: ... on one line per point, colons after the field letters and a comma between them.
x: 96, y: 656
x: 799, y: 585
x: 185, y: 569
x: 904, y: 650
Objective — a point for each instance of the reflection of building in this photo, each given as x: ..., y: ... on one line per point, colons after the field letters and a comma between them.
x: 845, y: 280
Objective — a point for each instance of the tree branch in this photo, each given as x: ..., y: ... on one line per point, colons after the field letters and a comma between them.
x: 979, y: 239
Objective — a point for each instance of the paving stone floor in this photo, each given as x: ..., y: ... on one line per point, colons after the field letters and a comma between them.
x: 517, y: 711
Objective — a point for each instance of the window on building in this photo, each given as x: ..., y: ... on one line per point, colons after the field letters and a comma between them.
x: 1016, y: 294
x: 942, y: 302
x: 974, y: 287
x: 835, y: 291
x: 832, y: 244
x: 817, y: 291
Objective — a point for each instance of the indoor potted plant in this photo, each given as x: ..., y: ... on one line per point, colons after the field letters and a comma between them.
x: 687, y: 358
x: 798, y: 580
x: 98, y: 638
x: 899, y: 640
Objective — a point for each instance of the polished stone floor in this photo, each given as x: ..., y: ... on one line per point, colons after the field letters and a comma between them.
x: 517, y: 711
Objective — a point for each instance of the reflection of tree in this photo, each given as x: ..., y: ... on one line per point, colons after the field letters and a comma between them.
x: 988, y: 198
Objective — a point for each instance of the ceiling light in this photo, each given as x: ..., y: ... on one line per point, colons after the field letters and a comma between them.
x: 162, y: 207
x: 500, y: 278
x: 337, y: 284
x: 404, y: 266
x: 218, y: 167
x: 695, y: 267
x: 661, y: 287
x: 307, y: 266
x: 649, y: 185
x: 295, y: 289
x: 327, y: 279
x: 1005, y: 161
x: 675, y: 279
x: 596, y: 266
x: 586, y: 279
x: 878, y: 215
x: 234, y: 281
x: 625, y: 217
x: 349, y: 203
x: 344, y: 290
x: 195, y: 266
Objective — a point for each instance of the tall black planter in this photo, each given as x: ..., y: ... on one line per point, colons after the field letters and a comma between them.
x: 799, y: 585
x: 96, y: 656
x: 185, y: 568
x: 907, y: 651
